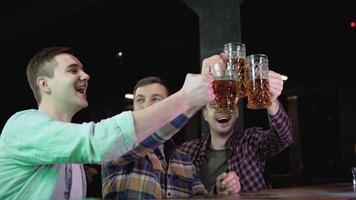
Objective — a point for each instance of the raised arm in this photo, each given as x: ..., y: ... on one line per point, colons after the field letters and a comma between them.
x: 276, y: 87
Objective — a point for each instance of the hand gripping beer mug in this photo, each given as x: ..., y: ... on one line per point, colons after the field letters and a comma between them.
x: 235, y: 55
x: 258, y: 95
x: 224, y: 87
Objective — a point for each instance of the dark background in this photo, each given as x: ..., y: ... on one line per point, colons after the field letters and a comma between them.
x: 155, y: 38
x: 313, y: 43
x: 309, y: 41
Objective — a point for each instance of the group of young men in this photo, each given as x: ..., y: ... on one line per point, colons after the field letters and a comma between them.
x: 42, y: 153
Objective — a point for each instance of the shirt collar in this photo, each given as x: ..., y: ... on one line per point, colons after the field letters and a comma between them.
x: 229, y: 142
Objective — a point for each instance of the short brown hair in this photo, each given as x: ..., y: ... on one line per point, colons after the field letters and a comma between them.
x: 43, y: 64
x: 150, y: 80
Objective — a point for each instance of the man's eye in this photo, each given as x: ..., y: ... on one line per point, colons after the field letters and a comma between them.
x: 73, y: 70
x: 212, y: 105
x: 139, y: 101
x: 157, y: 99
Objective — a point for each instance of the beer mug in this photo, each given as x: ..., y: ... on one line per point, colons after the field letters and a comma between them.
x: 258, y: 95
x: 225, y: 88
x: 353, y: 170
x: 235, y: 55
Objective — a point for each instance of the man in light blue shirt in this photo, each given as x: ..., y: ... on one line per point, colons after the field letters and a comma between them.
x: 41, y: 151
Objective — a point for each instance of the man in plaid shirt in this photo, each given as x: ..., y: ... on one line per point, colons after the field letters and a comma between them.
x: 242, y: 151
x: 154, y: 170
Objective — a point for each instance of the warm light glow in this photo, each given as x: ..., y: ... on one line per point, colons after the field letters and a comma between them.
x: 295, y: 97
x: 284, y: 77
x: 129, y: 96
x: 353, y: 24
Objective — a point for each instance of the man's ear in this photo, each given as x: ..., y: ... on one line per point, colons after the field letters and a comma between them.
x: 204, y: 113
x: 42, y: 83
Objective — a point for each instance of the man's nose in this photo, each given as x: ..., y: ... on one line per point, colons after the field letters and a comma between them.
x: 147, y: 103
x: 84, y: 76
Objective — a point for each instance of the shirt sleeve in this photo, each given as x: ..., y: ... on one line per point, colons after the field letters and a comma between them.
x: 279, y: 136
x: 33, y: 137
x: 281, y: 125
x: 154, y: 141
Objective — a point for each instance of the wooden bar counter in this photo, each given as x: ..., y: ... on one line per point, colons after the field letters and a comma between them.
x: 336, y: 191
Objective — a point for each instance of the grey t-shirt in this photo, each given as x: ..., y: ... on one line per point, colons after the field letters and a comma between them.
x: 214, y: 165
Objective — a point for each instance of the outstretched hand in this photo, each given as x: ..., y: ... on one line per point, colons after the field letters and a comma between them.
x: 197, y: 90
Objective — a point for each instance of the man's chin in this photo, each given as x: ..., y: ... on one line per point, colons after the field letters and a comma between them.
x: 83, y: 104
x: 86, y: 104
x: 224, y: 133
x: 224, y: 129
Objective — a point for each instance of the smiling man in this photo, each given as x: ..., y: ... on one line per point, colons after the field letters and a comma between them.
x: 155, y: 170
x: 245, y: 152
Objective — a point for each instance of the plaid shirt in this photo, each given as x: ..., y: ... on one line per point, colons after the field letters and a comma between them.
x: 144, y: 173
x: 249, y: 149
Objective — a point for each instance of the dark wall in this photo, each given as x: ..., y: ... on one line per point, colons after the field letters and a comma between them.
x: 310, y: 41
x: 219, y: 23
x: 327, y: 139
x: 156, y: 38
x: 313, y: 44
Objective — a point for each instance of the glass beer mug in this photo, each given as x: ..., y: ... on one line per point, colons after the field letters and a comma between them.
x: 235, y: 56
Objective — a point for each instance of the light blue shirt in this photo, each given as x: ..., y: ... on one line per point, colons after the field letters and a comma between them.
x: 32, y: 145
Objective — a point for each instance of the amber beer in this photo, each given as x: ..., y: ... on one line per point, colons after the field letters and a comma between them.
x: 258, y: 94
x: 241, y: 68
x: 235, y: 55
x: 225, y: 95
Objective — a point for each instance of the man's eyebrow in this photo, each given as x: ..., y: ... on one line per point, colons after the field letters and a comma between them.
x: 75, y: 65
x: 140, y: 95
x: 154, y: 95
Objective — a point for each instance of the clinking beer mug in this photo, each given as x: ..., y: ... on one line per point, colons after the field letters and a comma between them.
x: 225, y: 87
x: 258, y: 91
x: 235, y: 55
